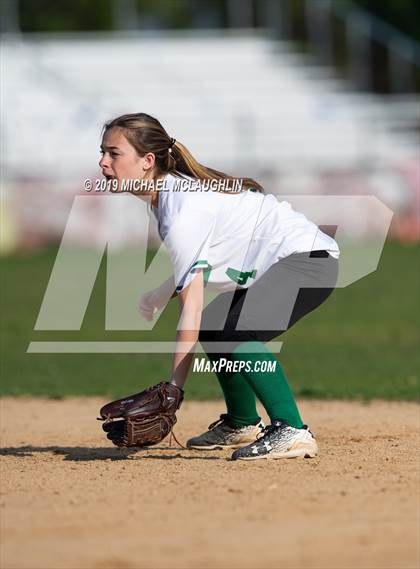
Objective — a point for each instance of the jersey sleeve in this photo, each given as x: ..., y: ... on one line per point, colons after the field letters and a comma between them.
x: 188, y: 242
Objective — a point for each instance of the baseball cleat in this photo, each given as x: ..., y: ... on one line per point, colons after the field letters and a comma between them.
x: 223, y: 434
x: 280, y: 440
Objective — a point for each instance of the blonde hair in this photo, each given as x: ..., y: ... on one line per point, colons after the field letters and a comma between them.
x: 146, y: 134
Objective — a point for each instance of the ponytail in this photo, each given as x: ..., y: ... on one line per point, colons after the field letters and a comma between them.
x: 185, y: 163
x: 146, y: 134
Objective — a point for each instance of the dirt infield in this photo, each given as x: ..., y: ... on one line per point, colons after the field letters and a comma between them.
x: 70, y: 500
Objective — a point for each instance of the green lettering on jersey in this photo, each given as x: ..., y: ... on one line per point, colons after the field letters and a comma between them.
x: 240, y: 277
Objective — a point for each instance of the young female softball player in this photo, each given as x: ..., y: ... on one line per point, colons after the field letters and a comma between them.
x: 269, y: 265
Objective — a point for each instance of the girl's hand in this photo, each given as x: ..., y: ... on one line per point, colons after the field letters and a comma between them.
x: 154, y: 300
x: 150, y: 303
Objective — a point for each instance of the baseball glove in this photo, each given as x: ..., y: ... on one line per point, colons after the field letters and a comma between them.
x: 144, y: 418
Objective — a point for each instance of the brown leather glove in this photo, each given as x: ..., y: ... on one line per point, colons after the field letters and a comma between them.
x: 144, y: 418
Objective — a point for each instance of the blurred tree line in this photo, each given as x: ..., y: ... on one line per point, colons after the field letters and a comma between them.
x: 103, y: 15
x: 402, y: 14
x: 108, y: 15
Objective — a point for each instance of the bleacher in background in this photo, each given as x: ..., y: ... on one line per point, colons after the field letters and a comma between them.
x: 239, y: 101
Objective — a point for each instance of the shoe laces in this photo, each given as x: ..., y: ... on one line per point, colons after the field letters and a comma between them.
x: 277, y: 426
x: 269, y: 429
x: 219, y: 421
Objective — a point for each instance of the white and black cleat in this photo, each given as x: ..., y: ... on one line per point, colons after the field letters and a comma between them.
x: 223, y: 434
x: 280, y: 440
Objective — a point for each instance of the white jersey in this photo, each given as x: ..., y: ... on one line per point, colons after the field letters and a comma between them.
x: 235, y: 238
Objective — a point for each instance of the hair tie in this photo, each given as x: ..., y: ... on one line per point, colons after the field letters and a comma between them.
x: 173, y: 140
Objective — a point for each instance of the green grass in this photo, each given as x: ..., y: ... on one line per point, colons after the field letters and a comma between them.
x: 363, y: 343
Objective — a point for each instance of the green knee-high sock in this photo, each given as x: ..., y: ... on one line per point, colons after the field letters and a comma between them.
x: 271, y: 387
x: 239, y: 396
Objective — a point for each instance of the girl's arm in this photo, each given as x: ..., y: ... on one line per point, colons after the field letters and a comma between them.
x: 191, y: 300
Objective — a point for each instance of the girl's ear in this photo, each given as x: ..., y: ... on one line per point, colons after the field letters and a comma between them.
x: 149, y: 161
